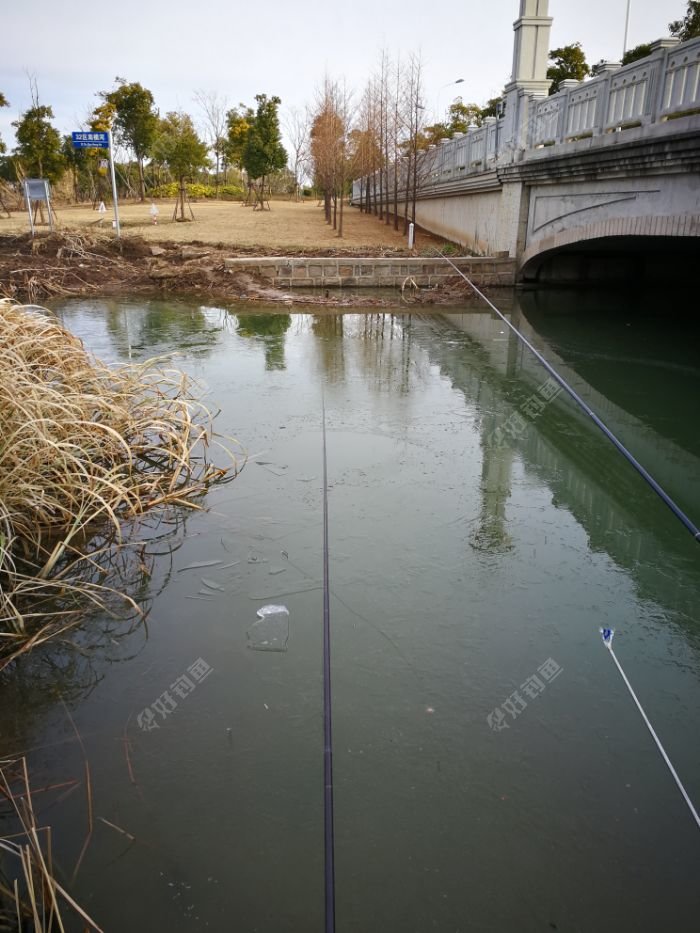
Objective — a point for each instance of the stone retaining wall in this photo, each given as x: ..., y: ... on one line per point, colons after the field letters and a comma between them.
x: 324, y: 272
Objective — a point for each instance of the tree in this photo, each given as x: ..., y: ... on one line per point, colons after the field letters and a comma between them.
x: 639, y: 51
x: 238, y: 123
x: 462, y: 116
x: 263, y: 152
x: 214, y: 109
x: 4, y: 102
x: 568, y: 62
x: 689, y: 26
x: 39, y: 144
x: 327, y: 136
x: 135, y: 121
x: 181, y: 149
x: 297, y: 129
x: 493, y: 107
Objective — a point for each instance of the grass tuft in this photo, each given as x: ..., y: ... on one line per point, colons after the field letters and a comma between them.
x: 85, y: 449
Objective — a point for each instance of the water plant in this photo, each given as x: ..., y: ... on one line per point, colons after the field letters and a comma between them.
x: 86, y: 449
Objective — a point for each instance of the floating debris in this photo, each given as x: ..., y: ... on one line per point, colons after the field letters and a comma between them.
x: 270, y: 632
x: 199, y: 565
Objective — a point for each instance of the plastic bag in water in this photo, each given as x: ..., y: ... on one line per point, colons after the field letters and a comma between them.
x: 271, y: 630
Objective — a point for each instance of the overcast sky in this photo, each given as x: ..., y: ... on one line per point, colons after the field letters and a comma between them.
x: 174, y: 48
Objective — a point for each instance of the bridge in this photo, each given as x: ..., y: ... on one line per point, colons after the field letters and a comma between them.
x: 600, y: 181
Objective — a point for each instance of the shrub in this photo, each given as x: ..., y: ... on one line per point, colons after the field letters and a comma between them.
x: 195, y: 191
x: 231, y: 193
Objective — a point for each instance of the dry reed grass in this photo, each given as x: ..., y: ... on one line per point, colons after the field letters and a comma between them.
x: 84, y: 449
x: 33, y: 898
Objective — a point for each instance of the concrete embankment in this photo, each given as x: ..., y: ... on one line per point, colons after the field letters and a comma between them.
x: 372, y: 272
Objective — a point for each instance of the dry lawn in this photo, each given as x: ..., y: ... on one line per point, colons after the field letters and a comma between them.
x: 287, y: 226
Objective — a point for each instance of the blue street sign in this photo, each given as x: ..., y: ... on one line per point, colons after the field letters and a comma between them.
x: 90, y: 140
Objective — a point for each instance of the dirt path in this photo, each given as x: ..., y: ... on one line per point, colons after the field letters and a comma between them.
x: 288, y: 227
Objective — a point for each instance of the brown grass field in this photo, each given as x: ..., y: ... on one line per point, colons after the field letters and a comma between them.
x: 288, y: 225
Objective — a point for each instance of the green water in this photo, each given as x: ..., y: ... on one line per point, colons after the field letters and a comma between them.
x: 476, y: 550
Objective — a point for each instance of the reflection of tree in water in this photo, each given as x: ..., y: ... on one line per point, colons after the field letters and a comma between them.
x: 272, y: 328
x: 329, y: 328
x: 386, y: 350
x: 159, y: 323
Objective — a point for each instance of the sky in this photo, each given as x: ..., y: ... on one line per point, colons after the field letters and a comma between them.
x: 76, y: 49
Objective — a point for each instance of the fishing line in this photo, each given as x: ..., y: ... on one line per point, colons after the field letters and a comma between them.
x: 607, y: 634
x: 659, y: 490
x: 328, y: 824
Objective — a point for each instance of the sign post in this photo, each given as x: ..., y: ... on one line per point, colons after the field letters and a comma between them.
x: 37, y: 190
x: 100, y: 140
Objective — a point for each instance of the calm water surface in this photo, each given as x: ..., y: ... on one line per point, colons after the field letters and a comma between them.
x: 492, y: 772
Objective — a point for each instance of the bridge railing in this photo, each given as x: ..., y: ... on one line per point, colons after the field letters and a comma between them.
x: 659, y: 87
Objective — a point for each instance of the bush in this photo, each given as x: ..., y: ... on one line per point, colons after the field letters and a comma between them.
x: 196, y: 192
x: 231, y: 193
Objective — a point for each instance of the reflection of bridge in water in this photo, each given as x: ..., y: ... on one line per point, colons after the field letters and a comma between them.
x: 566, y: 452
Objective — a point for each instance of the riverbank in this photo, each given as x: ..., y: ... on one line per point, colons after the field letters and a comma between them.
x: 66, y: 265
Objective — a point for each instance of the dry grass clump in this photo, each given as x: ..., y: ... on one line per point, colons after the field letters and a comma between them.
x: 32, y: 898
x: 84, y: 448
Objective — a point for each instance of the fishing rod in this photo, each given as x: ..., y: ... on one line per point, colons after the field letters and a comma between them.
x: 328, y: 822
x: 643, y: 472
x: 607, y: 634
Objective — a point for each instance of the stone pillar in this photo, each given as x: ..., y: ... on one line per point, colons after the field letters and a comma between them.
x: 529, y: 77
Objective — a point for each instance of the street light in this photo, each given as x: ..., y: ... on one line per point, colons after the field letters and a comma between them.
x: 627, y: 27
x: 440, y: 90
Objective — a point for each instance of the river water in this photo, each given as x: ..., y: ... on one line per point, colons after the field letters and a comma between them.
x: 491, y: 770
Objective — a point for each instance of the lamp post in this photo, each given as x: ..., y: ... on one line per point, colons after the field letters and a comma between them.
x: 627, y: 27
x: 440, y: 90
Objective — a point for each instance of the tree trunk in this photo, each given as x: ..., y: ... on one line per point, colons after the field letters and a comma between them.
x: 182, y: 197
x: 142, y: 180
x: 415, y: 194
x: 340, y: 220
x: 396, y: 193
x: 408, y: 194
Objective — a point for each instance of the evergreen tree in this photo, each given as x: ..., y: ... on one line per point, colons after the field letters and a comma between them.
x: 567, y: 62
x: 639, y: 51
x: 238, y: 123
x: 39, y: 144
x: 689, y: 26
x: 264, y: 152
x: 181, y: 149
x: 135, y: 121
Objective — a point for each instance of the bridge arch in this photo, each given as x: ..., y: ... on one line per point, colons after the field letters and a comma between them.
x: 638, y: 249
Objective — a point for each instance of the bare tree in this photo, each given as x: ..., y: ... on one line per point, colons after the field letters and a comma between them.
x: 214, y: 108
x: 297, y: 126
x: 419, y: 162
x: 326, y: 134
